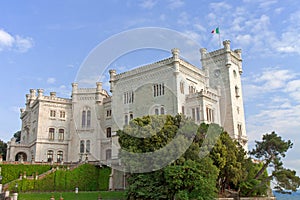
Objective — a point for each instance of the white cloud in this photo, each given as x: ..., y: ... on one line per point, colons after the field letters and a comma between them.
x: 175, y: 4
x: 51, y: 80
x: 17, y: 43
x: 6, y: 40
x: 273, y: 79
x: 23, y: 44
x: 148, y: 4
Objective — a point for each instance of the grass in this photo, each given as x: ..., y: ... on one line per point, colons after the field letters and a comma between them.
x: 113, y: 195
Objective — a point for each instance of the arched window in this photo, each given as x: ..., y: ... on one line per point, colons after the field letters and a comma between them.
x: 60, y: 155
x: 81, y: 146
x: 162, y: 111
x: 130, y: 116
x: 108, y: 154
x: 88, y: 146
x: 83, y: 119
x: 156, y: 111
x: 50, y: 155
x: 51, y: 133
x: 86, y: 118
x: 108, y: 132
x: 61, y: 133
x: 126, y: 119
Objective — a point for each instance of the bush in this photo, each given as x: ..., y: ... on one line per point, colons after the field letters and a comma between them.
x: 86, y: 177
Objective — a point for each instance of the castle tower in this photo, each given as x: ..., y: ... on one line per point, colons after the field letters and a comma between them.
x: 224, y: 68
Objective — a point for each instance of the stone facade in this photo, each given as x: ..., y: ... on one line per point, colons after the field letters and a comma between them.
x: 84, y: 126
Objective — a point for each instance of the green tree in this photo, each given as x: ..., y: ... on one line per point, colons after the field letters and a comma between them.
x: 3, y: 148
x: 229, y: 157
x: 17, y: 135
x: 270, y: 151
x: 187, y: 177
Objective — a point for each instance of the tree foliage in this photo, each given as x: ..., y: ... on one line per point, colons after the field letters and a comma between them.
x: 187, y: 177
x: 270, y: 151
x: 229, y: 157
x: 17, y: 135
x: 3, y: 148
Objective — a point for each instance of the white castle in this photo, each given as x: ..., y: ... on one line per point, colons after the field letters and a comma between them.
x: 84, y: 126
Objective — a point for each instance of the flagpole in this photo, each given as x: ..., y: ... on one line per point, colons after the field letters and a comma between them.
x: 220, y: 39
x: 219, y: 36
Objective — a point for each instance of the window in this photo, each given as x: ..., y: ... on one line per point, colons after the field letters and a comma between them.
x: 61, y: 133
x: 52, y: 113
x: 62, y: 114
x: 126, y: 120
x: 182, y: 87
x: 234, y: 74
x: 108, y: 113
x: 128, y: 97
x: 130, y: 116
x: 88, y: 146
x: 162, y: 110
x: 237, y: 92
x: 198, y: 114
x: 156, y: 111
x: 60, y: 156
x: 192, y: 89
x: 209, y: 114
x: 83, y: 118
x: 49, y: 155
x: 158, y: 89
x: 51, y: 133
x: 81, y: 146
x: 108, y: 154
x: 86, y: 118
x: 239, y: 127
x: 182, y: 110
x: 193, y: 114
x: 108, y: 132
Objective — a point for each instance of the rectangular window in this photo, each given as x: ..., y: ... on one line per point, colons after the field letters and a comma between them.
x: 52, y: 113
x: 158, y: 89
x: 209, y: 114
x: 182, y: 110
x: 198, y: 114
x: 62, y: 114
x: 182, y: 87
x: 108, y: 113
x: 193, y: 114
x: 239, y: 126
x: 128, y: 97
x: 51, y: 133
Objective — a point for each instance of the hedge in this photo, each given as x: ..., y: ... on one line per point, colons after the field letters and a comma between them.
x: 86, y: 177
x: 12, y: 172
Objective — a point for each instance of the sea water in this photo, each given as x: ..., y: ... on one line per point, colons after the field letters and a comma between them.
x: 293, y: 196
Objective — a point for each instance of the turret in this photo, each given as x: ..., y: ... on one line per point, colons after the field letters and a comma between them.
x: 175, y: 53
x: 98, y: 91
x: 40, y: 93
x: 112, y: 74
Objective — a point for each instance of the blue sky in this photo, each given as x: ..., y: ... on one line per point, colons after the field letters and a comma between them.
x: 43, y: 43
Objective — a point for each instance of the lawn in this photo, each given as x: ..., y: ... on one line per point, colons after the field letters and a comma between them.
x: 72, y: 196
